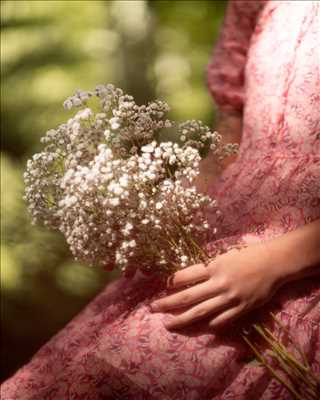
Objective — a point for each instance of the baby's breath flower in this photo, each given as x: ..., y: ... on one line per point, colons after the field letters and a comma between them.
x: 106, y: 181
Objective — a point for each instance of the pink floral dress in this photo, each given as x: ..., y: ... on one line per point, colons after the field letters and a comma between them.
x: 266, y: 63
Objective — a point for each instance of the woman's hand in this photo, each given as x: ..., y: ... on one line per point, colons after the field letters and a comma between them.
x: 229, y: 286
x: 241, y: 280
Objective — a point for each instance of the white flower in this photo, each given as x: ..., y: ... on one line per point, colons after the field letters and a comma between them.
x: 114, y: 201
x: 107, y: 134
x: 75, y: 128
x: 143, y: 205
x: 127, y: 229
x: 157, y: 152
x: 184, y: 259
x: 147, y: 149
x: 68, y: 104
x: 118, y: 190
x: 159, y: 205
x: 84, y: 114
x: 70, y: 201
x: 115, y: 123
x: 172, y: 159
x: 123, y: 181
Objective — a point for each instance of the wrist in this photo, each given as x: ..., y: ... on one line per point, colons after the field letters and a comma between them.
x: 295, y: 255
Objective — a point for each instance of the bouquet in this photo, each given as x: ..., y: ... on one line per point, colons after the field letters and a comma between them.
x: 121, y: 196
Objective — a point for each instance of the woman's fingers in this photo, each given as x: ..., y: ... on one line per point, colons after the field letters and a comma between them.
x: 198, y: 312
x: 226, y: 317
x: 185, y: 297
x: 194, y: 274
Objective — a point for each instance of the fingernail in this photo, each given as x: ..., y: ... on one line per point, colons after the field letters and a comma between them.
x: 168, y: 326
x: 170, y: 282
x: 169, y: 322
x: 154, y: 307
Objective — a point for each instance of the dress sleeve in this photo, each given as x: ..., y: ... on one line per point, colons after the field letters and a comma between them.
x: 225, y: 71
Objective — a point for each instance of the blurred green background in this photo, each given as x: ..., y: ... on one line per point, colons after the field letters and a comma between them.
x: 151, y: 49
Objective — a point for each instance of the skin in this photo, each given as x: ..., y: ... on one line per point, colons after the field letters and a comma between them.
x: 239, y: 280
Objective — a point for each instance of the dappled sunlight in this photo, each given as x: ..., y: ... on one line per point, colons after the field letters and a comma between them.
x: 133, y: 18
x: 168, y: 81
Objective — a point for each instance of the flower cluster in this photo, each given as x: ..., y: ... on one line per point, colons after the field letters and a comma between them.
x: 195, y: 134
x: 116, y: 192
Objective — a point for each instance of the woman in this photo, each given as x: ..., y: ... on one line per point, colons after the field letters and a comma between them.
x: 265, y: 78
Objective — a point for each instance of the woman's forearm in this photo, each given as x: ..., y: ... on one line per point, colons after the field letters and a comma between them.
x: 297, y: 253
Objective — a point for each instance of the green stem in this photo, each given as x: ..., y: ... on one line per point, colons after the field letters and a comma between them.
x: 273, y: 372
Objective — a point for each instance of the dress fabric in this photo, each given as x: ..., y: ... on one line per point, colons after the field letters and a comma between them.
x: 266, y: 63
